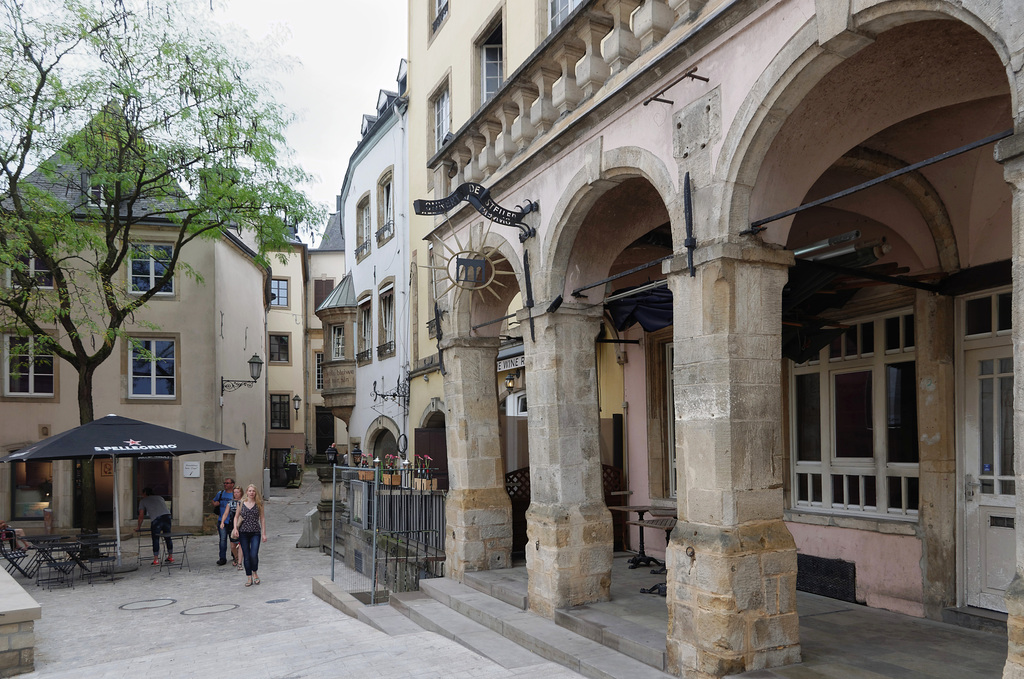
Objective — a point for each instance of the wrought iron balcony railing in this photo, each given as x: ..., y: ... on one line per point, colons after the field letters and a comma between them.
x: 385, y: 232
x: 364, y: 356
x: 363, y: 249
x: 385, y: 350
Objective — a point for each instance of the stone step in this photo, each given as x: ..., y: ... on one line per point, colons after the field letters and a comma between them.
x: 388, y: 620
x: 637, y: 641
x: 462, y: 610
x: 500, y: 584
x: 434, y: 616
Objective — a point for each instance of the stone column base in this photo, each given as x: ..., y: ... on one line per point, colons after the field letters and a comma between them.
x: 479, y: 524
x: 568, y: 555
x: 731, y: 599
x: 1014, y: 668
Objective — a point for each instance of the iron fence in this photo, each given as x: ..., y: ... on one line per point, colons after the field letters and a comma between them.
x: 389, y: 526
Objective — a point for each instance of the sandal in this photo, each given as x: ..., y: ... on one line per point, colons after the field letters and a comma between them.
x: 240, y: 567
x: 249, y: 583
x: 256, y: 580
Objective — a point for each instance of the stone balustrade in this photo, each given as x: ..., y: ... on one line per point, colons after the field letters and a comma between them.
x: 601, y: 39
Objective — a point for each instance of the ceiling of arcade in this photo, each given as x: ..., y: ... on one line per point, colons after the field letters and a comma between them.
x: 918, y: 91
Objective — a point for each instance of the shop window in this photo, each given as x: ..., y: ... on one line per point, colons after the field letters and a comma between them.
x: 32, y: 489
x: 853, y: 412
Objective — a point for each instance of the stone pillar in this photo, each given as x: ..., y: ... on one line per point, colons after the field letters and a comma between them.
x: 1010, y: 152
x: 936, y: 394
x: 569, y: 528
x: 478, y: 510
x: 731, y: 560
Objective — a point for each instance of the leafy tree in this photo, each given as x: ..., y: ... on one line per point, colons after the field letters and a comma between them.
x: 115, y: 116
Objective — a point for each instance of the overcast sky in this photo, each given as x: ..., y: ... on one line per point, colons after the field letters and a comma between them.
x: 349, y: 50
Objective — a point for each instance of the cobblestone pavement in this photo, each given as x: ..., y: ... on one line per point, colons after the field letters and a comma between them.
x: 205, y: 622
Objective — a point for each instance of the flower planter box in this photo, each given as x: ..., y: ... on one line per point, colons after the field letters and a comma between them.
x: 392, y: 479
x: 366, y: 475
x: 424, y: 484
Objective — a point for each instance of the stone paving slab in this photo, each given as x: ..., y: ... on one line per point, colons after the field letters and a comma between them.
x: 211, y: 624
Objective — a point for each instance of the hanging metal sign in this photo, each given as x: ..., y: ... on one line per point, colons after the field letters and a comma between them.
x: 480, y: 198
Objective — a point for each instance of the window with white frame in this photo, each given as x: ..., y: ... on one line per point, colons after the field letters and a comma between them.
x: 853, y: 413
x: 385, y: 208
x: 34, y: 269
x: 28, y: 365
x: 440, y: 8
x: 319, y: 357
x: 153, y: 367
x: 387, y: 315
x: 279, y: 292
x: 365, y: 328
x: 363, y: 228
x: 337, y: 342
x: 148, y: 263
x: 560, y: 11
x: 492, y: 64
x: 442, y: 118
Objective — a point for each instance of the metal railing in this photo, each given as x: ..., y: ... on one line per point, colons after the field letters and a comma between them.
x: 385, y: 232
x: 362, y: 249
x: 364, y: 356
x: 391, y: 533
x: 385, y: 350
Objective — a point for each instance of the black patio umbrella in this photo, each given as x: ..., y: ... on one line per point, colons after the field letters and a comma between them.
x: 115, y: 436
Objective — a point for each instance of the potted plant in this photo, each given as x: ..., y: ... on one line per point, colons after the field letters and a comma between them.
x: 392, y: 477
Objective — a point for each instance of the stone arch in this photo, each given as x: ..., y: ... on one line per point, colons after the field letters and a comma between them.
x: 799, y: 66
x: 602, y: 172
x: 918, y: 190
x: 380, y: 426
x: 430, y: 413
x: 467, y: 309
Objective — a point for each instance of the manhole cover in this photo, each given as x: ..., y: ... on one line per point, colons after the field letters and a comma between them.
x: 152, y: 603
x: 277, y: 601
x: 206, y: 610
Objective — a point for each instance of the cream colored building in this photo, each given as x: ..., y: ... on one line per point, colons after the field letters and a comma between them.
x: 288, y: 369
x: 790, y: 396
x: 201, y: 332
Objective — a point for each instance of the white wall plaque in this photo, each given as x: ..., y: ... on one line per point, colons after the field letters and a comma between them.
x: 190, y: 470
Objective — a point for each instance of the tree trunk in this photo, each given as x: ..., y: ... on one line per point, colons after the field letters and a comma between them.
x: 85, y: 415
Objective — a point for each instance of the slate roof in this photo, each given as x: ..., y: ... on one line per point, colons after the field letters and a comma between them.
x: 333, y: 238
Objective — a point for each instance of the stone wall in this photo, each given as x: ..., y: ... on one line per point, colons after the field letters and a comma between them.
x: 19, y: 611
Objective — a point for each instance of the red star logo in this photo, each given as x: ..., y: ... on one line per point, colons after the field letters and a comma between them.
x: 133, y: 442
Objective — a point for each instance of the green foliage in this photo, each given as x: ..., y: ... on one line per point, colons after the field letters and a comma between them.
x: 118, y: 117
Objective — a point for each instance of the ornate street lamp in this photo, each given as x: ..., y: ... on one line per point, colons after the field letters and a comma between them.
x: 255, y: 369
